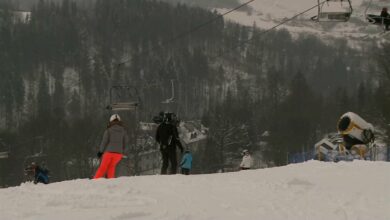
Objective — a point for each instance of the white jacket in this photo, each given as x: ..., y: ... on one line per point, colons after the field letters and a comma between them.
x: 246, y: 162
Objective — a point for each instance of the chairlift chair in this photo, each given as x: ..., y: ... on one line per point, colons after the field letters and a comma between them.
x: 126, y: 98
x: 123, y: 106
x: 333, y: 11
x: 376, y: 19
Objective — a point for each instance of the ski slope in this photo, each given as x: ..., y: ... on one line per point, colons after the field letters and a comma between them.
x: 358, y: 190
x: 268, y: 13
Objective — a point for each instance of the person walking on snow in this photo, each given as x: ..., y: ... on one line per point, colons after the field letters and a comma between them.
x: 167, y: 136
x: 112, y: 147
x: 186, y: 163
x: 247, y: 161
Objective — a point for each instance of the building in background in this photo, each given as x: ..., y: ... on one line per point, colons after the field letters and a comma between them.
x: 193, y: 135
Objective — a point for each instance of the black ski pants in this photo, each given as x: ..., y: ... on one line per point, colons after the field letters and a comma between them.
x: 169, y: 157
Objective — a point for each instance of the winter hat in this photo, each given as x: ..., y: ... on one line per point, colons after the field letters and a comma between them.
x: 115, y: 117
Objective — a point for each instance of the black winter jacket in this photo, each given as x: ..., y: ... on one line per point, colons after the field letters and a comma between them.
x: 167, y: 135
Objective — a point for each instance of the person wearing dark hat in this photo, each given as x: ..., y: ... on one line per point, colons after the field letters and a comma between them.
x: 112, y: 147
x: 167, y: 136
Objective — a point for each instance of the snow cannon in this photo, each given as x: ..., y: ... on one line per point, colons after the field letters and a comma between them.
x: 355, y: 130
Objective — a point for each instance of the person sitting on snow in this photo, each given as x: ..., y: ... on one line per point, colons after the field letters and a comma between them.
x: 40, y: 173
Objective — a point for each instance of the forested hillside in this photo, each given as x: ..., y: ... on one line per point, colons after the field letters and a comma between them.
x: 57, y: 69
x: 208, y: 3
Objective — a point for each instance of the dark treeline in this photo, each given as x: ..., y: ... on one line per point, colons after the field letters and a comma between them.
x: 209, y: 3
x: 58, y: 66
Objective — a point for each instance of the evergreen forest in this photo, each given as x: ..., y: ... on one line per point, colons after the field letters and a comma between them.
x: 57, y: 68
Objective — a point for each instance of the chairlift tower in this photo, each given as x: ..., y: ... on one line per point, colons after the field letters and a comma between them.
x: 169, y: 102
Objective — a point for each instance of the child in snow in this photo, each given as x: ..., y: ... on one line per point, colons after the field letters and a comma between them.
x: 113, y: 145
x: 39, y: 173
x: 186, y: 163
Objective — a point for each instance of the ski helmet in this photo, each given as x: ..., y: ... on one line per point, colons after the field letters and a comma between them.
x: 115, y: 117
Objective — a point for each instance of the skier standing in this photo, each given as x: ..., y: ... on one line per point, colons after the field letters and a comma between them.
x: 168, y: 138
x: 186, y: 163
x: 247, y: 161
x: 112, y: 147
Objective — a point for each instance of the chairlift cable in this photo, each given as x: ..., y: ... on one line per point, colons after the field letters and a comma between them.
x: 272, y: 28
x: 194, y: 29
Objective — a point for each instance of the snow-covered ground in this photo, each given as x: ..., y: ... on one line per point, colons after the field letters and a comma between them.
x: 313, y: 190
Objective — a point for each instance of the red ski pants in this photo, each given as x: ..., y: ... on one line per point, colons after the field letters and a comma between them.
x: 108, y: 165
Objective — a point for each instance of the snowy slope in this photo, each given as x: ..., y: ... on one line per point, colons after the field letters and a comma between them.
x: 268, y: 13
x: 356, y: 190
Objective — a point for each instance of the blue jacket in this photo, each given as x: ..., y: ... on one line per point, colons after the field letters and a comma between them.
x: 186, y: 161
x: 41, y: 175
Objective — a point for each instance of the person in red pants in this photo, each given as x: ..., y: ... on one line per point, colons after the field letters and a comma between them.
x: 112, y: 147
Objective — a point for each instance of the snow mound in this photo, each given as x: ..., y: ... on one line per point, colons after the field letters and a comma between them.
x: 311, y: 190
